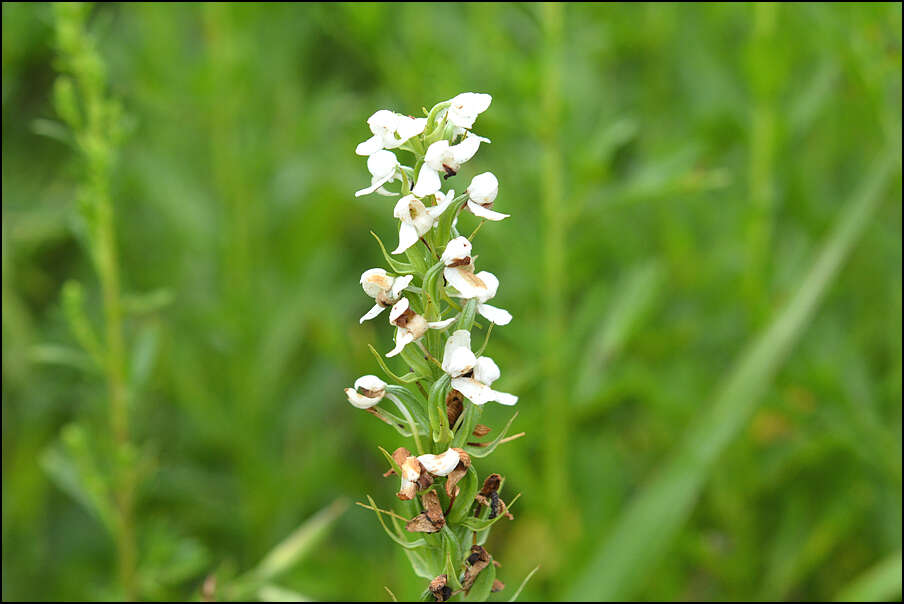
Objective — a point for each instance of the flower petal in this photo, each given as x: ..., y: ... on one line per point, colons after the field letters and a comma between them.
x: 483, y: 188
x: 441, y: 324
x: 403, y: 338
x: 479, y: 210
x: 373, y: 312
x: 442, y: 202
x: 457, y: 249
x: 370, y: 146
x: 466, y: 283
x: 440, y: 465
x: 407, y: 237
x: 375, y: 281
x: 428, y: 181
x: 474, y: 391
x: 480, y: 394
x: 486, y: 371
x: 495, y: 315
x: 375, y: 183
x: 399, y: 284
x: 466, y: 149
x: 410, y: 126
x: 457, y: 356
x: 359, y: 400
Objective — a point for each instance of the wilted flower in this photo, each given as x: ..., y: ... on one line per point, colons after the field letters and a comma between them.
x: 384, y: 168
x: 444, y: 158
x: 459, y: 273
x: 390, y: 130
x: 481, y: 194
x: 369, y: 390
x: 410, y: 325
x: 417, y: 219
x: 472, y: 376
x: 386, y: 290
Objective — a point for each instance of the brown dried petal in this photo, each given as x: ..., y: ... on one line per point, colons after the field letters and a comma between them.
x: 458, y: 473
x: 480, y: 430
x: 454, y: 406
x: 439, y: 588
x: 491, y: 484
x: 489, y: 496
x: 477, y: 561
x: 431, y: 520
x: 497, y: 585
x: 426, y: 478
x: 399, y: 456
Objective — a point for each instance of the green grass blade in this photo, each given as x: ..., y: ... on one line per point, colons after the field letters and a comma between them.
x: 643, y: 534
x: 880, y: 582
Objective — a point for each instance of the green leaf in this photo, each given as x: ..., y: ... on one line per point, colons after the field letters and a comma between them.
x: 482, y: 524
x: 479, y: 452
x: 408, y: 378
x: 646, y: 529
x: 403, y: 268
x: 73, y: 467
x: 483, y: 584
x: 466, y: 317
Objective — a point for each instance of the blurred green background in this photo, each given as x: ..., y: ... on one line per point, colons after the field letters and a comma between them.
x: 684, y: 183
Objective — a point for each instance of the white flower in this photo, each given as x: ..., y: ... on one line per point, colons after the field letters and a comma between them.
x: 417, y: 219
x: 410, y: 326
x: 458, y: 251
x: 465, y: 108
x: 445, y: 158
x: 368, y: 391
x: 390, y: 131
x: 459, y: 273
x: 441, y: 465
x: 383, y: 288
x: 470, y: 375
x: 481, y: 194
x: 384, y: 168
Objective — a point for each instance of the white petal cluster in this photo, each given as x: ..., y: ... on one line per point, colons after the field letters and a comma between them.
x: 390, y: 131
x: 459, y: 273
x: 384, y: 168
x: 417, y: 219
x: 440, y: 151
x: 472, y: 375
x: 383, y: 288
x: 446, y: 159
x: 410, y: 326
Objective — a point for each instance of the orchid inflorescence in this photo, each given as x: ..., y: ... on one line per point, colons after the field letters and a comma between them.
x: 435, y: 297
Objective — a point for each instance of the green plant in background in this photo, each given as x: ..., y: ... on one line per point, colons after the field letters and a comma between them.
x: 439, y: 402
x: 107, y: 487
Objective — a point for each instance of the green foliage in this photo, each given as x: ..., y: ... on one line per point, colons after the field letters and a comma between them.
x: 674, y: 174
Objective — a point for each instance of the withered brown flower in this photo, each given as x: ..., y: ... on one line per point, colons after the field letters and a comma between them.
x: 431, y: 520
x: 440, y: 589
